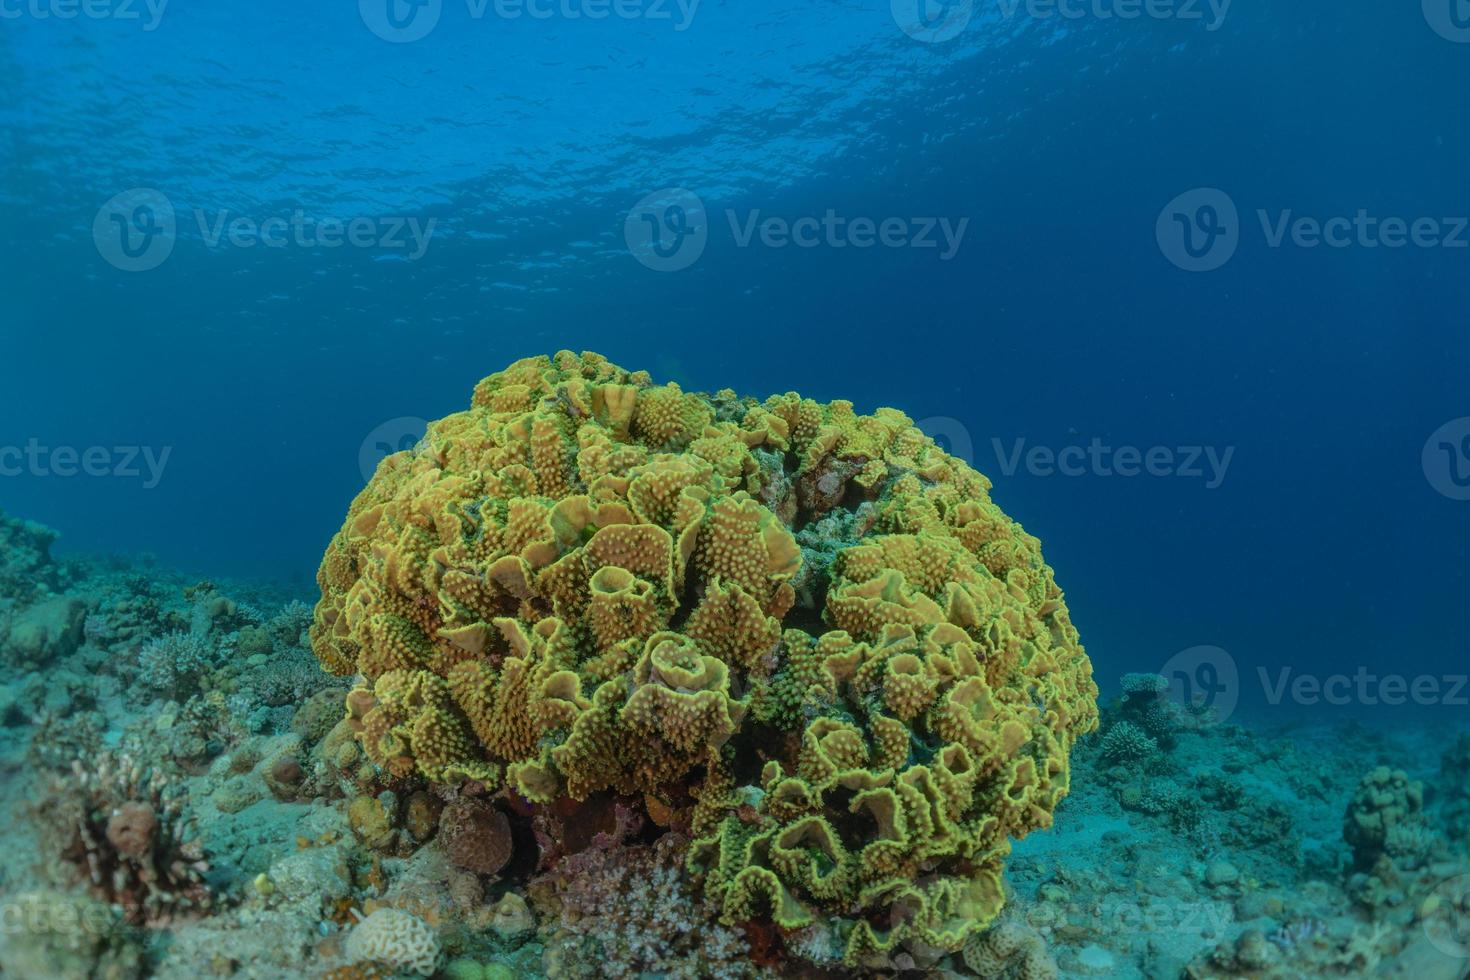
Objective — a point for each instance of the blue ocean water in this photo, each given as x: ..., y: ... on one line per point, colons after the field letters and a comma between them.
x: 240, y: 381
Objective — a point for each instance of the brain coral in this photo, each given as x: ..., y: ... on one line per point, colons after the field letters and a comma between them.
x: 808, y: 630
x: 394, y: 939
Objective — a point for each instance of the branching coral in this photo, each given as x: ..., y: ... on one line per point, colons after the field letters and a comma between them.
x: 625, y: 911
x: 1146, y: 703
x: 120, y: 827
x: 175, y: 664
x: 1126, y: 743
x: 589, y: 582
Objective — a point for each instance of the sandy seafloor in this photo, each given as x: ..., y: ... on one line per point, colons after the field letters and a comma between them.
x: 183, y: 799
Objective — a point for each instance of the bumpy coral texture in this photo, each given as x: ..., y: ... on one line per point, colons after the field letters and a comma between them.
x: 394, y: 939
x: 1011, y: 950
x: 810, y: 630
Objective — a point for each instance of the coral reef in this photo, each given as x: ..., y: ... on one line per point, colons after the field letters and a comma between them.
x: 587, y: 582
x: 774, y: 800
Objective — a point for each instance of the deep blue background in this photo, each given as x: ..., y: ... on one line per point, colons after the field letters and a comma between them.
x: 1059, y: 320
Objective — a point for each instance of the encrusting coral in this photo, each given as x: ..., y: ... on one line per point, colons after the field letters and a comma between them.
x: 1010, y: 949
x: 395, y: 939
x: 475, y: 838
x: 808, y: 632
x: 1386, y: 801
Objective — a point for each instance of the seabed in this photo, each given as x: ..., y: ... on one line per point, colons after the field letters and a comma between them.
x: 184, y: 800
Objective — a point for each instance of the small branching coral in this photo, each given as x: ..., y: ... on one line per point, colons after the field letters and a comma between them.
x: 808, y: 631
x: 626, y: 911
x: 1127, y: 744
x: 120, y: 827
x: 1145, y: 703
x: 175, y: 665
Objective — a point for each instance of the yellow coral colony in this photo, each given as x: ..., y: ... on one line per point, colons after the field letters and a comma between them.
x: 809, y: 631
